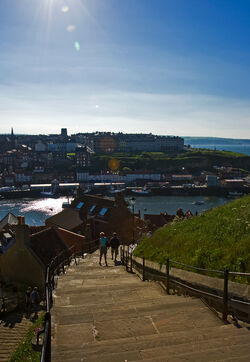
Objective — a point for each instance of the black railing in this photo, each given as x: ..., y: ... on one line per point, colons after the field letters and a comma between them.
x: 57, y: 265
x: 224, y: 301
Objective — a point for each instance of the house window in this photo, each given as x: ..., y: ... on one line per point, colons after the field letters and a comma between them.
x: 79, y: 205
x: 92, y: 208
x: 103, y: 211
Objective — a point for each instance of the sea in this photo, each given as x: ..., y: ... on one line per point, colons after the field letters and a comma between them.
x: 221, y: 144
x: 36, y: 211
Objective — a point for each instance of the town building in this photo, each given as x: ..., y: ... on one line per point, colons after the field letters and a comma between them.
x: 27, y: 251
x: 90, y: 214
x: 122, y: 142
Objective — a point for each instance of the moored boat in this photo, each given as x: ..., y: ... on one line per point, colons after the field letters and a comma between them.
x: 141, y: 191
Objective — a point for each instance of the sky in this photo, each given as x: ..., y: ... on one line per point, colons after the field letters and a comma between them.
x: 169, y: 67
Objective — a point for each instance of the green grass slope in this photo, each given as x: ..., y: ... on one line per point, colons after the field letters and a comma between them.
x: 165, y: 162
x: 216, y: 239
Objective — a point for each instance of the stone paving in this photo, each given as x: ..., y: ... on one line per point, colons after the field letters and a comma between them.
x: 13, y: 329
x: 105, y: 314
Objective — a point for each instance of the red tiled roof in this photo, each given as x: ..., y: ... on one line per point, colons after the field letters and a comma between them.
x: 159, y: 220
x: 47, y: 244
x: 72, y: 239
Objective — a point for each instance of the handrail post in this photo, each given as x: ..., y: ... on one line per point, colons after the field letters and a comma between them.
x: 143, y: 269
x: 123, y: 253
x: 48, y: 347
x: 126, y: 260
x: 167, y: 275
x: 225, y: 296
x: 131, y: 262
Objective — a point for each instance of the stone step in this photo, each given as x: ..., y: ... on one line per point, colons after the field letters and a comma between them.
x: 13, y: 330
x: 239, y: 352
x: 71, y: 315
x: 158, y: 342
x: 197, y: 346
x: 107, y: 315
x: 106, y: 329
x: 167, y: 302
x: 76, y: 286
x: 194, y: 352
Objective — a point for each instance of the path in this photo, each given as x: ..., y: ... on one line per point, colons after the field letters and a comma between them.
x: 13, y: 329
x: 108, y: 315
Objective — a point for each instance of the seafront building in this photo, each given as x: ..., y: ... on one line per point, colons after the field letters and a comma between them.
x: 121, y: 142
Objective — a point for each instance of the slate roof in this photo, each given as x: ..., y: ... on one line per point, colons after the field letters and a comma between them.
x: 36, y: 229
x: 74, y: 216
x: 67, y: 219
x: 9, y: 219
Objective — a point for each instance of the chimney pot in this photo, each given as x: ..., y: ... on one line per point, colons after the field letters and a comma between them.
x: 21, y: 220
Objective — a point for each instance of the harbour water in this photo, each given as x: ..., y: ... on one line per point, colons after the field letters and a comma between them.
x: 36, y: 211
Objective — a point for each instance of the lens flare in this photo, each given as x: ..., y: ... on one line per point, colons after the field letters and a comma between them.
x: 114, y: 164
x: 64, y: 9
x: 77, y: 46
x: 71, y: 28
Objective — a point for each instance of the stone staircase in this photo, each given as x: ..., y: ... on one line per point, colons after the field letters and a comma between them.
x: 13, y: 329
x: 105, y: 314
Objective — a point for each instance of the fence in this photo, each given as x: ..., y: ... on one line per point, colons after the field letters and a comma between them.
x: 57, y: 265
x: 217, y: 295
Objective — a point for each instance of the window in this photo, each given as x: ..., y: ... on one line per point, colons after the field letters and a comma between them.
x: 103, y: 211
x: 79, y: 205
x: 92, y: 208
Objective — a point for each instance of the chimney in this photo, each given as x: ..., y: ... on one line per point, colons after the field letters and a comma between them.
x: 22, y: 233
x: 21, y: 220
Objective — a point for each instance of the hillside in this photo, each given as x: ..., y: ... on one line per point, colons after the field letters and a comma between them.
x: 216, y: 239
x: 192, y: 160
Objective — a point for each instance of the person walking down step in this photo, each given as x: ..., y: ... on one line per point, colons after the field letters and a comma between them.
x: 35, y: 299
x: 103, y: 248
x: 114, y: 243
x: 28, y: 301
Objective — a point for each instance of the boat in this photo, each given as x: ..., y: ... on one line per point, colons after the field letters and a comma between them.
x: 200, y: 202
x: 233, y: 194
x: 65, y: 204
x: 141, y: 191
x: 49, y: 194
x: 115, y: 190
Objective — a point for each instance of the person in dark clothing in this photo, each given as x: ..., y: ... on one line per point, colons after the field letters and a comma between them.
x: 28, y: 300
x: 35, y: 299
x: 114, y: 243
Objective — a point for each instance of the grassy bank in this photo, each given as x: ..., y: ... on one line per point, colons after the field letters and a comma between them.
x: 191, y: 160
x: 216, y: 239
x: 25, y: 352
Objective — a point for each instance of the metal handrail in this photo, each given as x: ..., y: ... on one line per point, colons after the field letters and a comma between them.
x: 49, y: 284
x: 239, y: 273
x: 225, y: 298
x: 196, y: 268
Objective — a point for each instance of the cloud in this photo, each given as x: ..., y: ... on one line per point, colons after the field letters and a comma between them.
x: 42, y: 110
